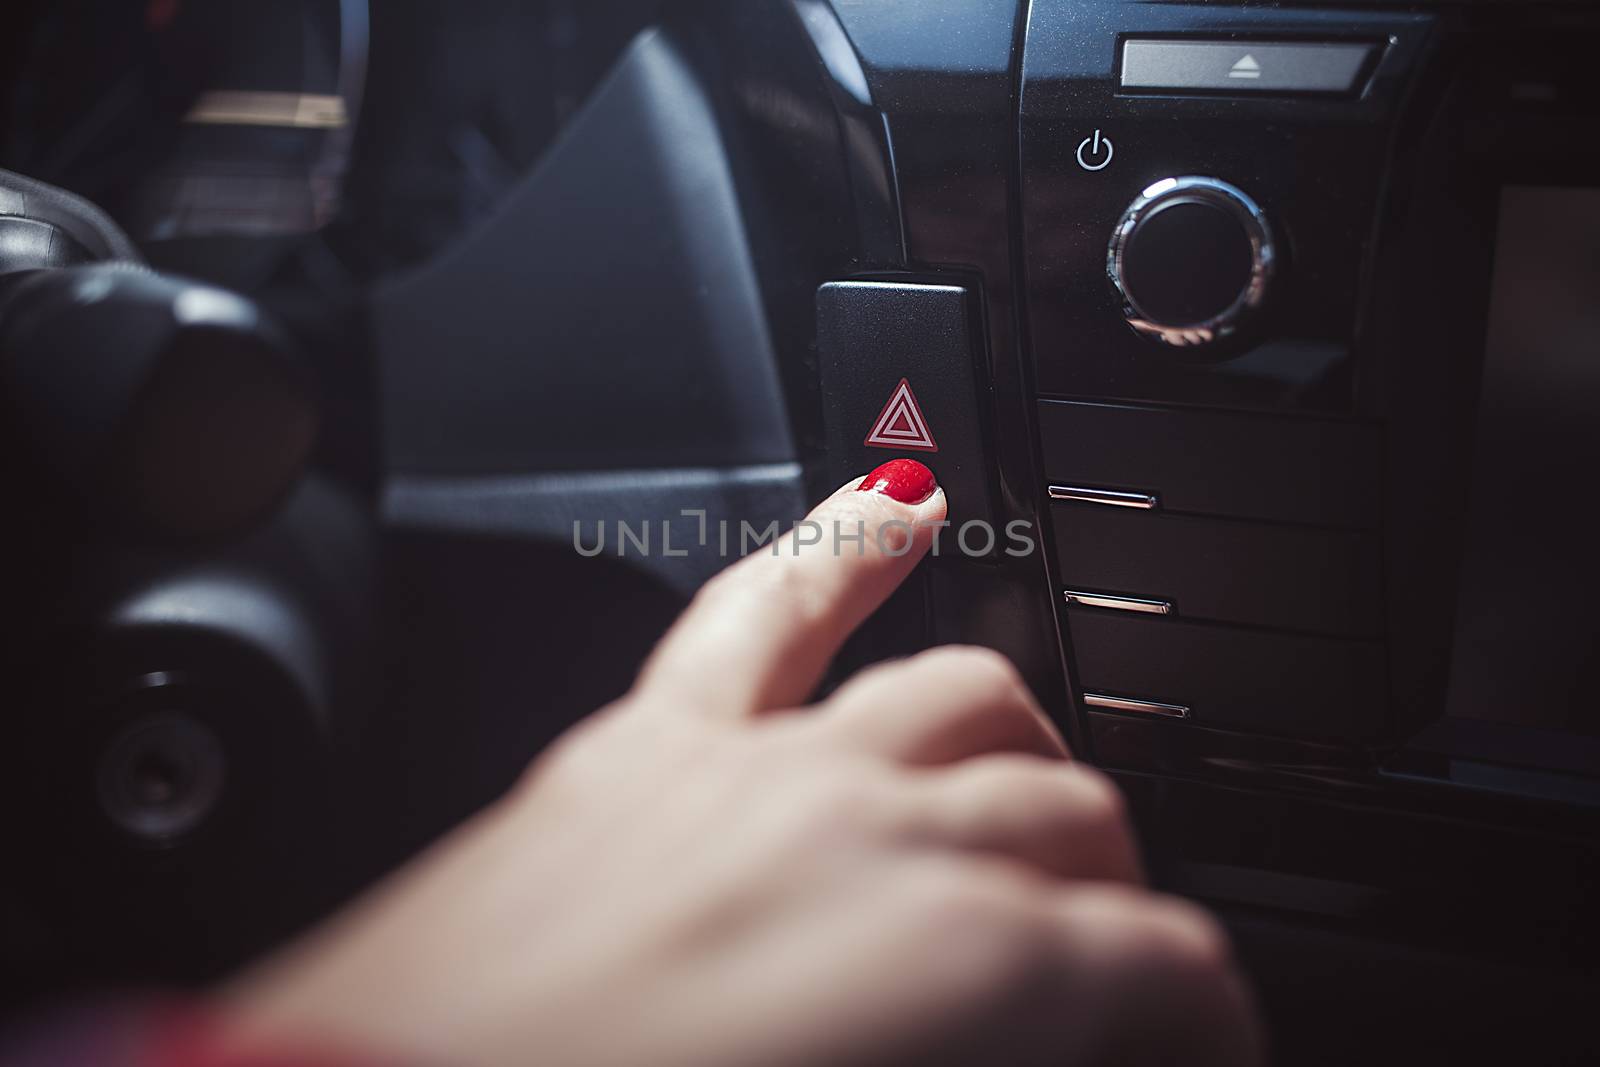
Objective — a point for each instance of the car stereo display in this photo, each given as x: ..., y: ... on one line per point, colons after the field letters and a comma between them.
x: 1525, y: 651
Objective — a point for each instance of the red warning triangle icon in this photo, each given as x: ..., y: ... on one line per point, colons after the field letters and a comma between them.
x: 900, y: 424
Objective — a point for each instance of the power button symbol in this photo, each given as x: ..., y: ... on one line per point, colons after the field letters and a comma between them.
x: 1094, y: 153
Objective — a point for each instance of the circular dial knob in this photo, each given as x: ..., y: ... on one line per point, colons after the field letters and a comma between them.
x: 1191, y: 259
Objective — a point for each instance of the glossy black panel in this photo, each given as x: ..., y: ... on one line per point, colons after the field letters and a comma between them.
x: 944, y: 76
x: 1244, y: 679
x: 812, y: 167
x: 1255, y: 574
x: 1314, y: 165
x: 1414, y: 869
x: 863, y: 133
x: 918, y: 60
x: 1326, y: 798
x: 1211, y: 463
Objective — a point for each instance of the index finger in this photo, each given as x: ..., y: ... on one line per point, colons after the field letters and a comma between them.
x: 759, y: 635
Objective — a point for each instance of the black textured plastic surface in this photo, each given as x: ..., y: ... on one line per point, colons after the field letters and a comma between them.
x: 1210, y: 463
x: 607, y: 317
x: 1244, y: 679
x: 83, y: 221
x: 1255, y: 574
x: 29, y: 244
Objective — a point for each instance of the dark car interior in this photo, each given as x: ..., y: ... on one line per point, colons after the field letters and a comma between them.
x: 329, y: 330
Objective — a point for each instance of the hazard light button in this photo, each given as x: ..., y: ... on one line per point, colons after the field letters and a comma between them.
x: 900, y: 377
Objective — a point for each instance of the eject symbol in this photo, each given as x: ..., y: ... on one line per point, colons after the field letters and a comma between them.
x: 1247, y: 67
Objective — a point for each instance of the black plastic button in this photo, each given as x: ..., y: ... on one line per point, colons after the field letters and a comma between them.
x: 1320, y: 471
x: 900, y: 378
x: 1273, y: 683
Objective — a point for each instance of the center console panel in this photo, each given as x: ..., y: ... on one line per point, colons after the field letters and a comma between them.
x: 1230, y: 273
x: 1258, y: 537
x: 1258, y: 499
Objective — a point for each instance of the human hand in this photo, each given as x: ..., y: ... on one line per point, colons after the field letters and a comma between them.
x: 708, y: 873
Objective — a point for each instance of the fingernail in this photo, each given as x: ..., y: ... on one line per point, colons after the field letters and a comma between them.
x: 904, y: 480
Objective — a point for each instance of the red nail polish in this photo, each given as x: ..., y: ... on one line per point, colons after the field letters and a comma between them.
x: 904, y: 480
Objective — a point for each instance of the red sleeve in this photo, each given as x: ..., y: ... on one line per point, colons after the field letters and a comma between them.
x: 154, y: 1034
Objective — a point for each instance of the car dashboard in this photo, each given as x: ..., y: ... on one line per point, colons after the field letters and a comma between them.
x: 1255, y: 346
